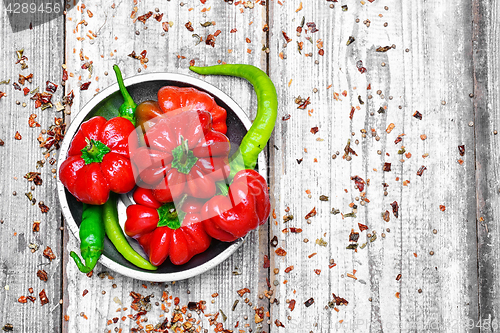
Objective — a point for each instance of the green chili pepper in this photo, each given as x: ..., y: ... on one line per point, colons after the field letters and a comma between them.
x: 267, y: 109
x: 117, y: 237
x: 91, y: 237
x: 127, y: 109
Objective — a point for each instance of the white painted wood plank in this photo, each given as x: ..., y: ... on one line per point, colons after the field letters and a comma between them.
x: 436, y: 68
x: 163, y: 52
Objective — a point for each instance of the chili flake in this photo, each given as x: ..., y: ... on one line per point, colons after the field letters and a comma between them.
x: 362, y: 227
x: 50, y: 87
x: 279, y: 323
x: 311, y: 214
x: 43, y: 207
x: 339, y: 300
x: 461, y: 150
x: 267, y: 263
x: 387, y: 167
x: 442, y: 208
x: 291, y: 305
x: 18, y: 136
x: 360, y: 183
x: 32, y: 122
x: 383, y: 48
x: 353, y: 236
x: 43, y: 297
x: 386, y: 216
x: 280, y: 251
x: 421, y: 170
x: 85, y: 85
x: 417, y: 115
x: 243, y: 291
x: 304, y: 104
x: 309, y: 302
x: 395, y: 209
x: 314, y: 130
x: 47, y: 253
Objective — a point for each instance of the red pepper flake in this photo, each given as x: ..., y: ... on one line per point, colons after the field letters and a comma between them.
x: 461, y: 150
x: 360, y: 183
x: 51, y: 87
x: 442, y: 208
x: 312, y: 255
x: 398, y: 140
x: 417, y: 115
x: 176, y: 300
x: 311, y: 214
x: 22, y: 299
x: 295, y: 230
x: 304, y: 104
x: 387, y: 216
x: 210, y: 40
x: 85, y: 85
x: 395, y: 209
x: 145, y: 17
x: 43, y: 207
x: 278, y: 323
x: 286, y: 117
x: 43, y: 297
x: 291, y: 305
x: 267, y: 263
x: 321, y: 52
x: 31, y: 298
x: 421, y: 170
x: 47, y: 253
x: 339, y: 300
x: 16, y: 86
x: 332, y: 265
x: 26, y: 91
x: 158, y: 17
x: 312, y: 27
x: 233, y: 30
x: 165, y: 26
x: 387, y: 167
x: 32, y: 122
x: 189, y: 26
x: 191, y: 62
x: 351, y: 115
x: 217, y: 33
x: 42, y: 275
x: 317, y: 271
x: 18, y: 136
x: 362, y: 227
x: 314, y: 130
x: 309, y: 302
x: 288, y: 39
x: 288, y: 269
x: 359, y: 65
x: 274, y: 241
x: 36, y: 226
x: 243, y: 291
x: 280, y: 251
x: 85, y: 292
x: 398, y: 277
x: 22, y: 79
x: 353, y: 236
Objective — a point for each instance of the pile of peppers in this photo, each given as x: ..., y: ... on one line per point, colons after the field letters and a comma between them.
x: 189, y: 189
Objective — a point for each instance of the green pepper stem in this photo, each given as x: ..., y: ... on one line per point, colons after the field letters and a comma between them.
x: 127, y: 109
x: 94, y: 151
x: 82, y: 267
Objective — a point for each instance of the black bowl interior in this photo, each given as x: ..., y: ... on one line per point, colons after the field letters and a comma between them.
x: 108, y: 108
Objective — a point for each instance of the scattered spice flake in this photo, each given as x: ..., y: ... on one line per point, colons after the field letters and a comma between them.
x: 362, y: 227
x: 291, y: 305
x: 145, y: 17
x: 321, y: 242
x: 390, y: 128
x: 288, y: 269
x: 277, y: 322
x: 274, y: 241
x: 398, y: 140
x: 47, y: 253
x: 461, y: 150
x: 360, y: 183
x: 189, y: 26
x: 317, y: 271
x: 34, y: 177
x: 395, y: 209
x: 299, y: 161
x: 267, y: 263
x: 22, y: 299
x: 165, y: 26
x: 351, y: 114
x: 298, y: 10
x: 312, y: 255
x: 85, y: 85
x: 311, y: 214
x: 288, y: 39
x: 352, y: 246
x: 280, y: 251
x: 50, y: 87
x: 351, y: 276
x: 43, y: 207
x: 442, y: 208
x: 398, y: 277
x: 286, y: 117
x: 243, y: 291
x: 348, y: 150
x: 421, y: 170
x: 383, y: 48
x: 304, y: 104
x: 423, y: 137
x: 43, y: 297
x: 309, y: 302
x: 314, y: 130
x: 350, y: 40
x: 386, y: 216
x: 36, y: 226
x: 417, y: 115
x: 353, y: 236
x: 32, y: 122
x: 339, y: 300
x: 387, y: 167
x: 18, y: 136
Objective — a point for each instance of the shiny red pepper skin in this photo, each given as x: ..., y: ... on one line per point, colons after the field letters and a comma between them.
x: 91, y: 183
x: 160, y: 243
x: 156, y: 162
x: 173, y: 98
x: 246, y: 207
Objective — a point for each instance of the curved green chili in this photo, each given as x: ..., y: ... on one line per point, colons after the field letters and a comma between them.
x: 127, y: 109
x: 91, y: 237
x: 117, y: 237
x: 267, y: 109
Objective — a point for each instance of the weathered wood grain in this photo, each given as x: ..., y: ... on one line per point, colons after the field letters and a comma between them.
x: 434, y: 77
x: 18, y: 264
x: 486, y: 101
x: 166, y: 54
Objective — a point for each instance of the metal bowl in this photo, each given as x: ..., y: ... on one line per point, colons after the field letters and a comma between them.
x: 106, y: 103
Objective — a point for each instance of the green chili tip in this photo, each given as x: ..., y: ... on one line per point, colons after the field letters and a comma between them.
x: 127, y: 109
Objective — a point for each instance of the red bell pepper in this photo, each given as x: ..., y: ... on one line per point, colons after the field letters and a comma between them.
x: 160, y: 232
x: 174, y: 98
x: 183, y: 155
x: 246, y: 207
x: 98, y: 160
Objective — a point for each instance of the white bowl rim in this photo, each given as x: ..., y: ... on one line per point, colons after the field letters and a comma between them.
x: 75, y: 125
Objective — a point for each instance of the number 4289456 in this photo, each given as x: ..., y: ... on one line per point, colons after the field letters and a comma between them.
x: 25, y: 8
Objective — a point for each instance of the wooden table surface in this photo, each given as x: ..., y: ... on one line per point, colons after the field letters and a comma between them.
x: 433, y: 267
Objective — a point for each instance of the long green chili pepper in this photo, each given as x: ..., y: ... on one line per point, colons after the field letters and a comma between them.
x: 127, y: 109
x: 267, y: 109
x: 91, y: 237
x: 117, y: 237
